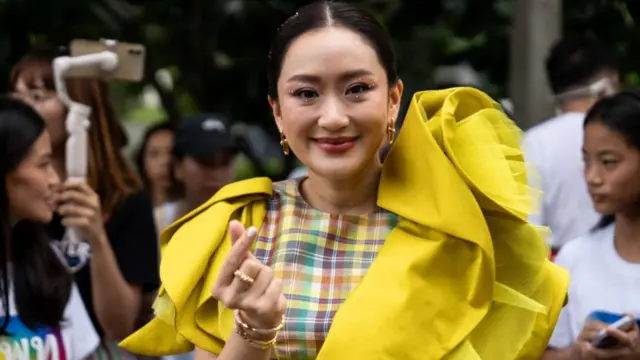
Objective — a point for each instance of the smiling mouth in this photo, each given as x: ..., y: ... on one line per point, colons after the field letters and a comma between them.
x: 336, y: 145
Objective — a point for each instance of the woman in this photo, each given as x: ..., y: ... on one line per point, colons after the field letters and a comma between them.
x: 154, y: 161
x: 428, y: 256
x: 110, y: 209
x: 47, y: 318
x: 605, y: 264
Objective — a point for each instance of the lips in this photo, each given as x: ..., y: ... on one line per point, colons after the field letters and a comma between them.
x: 336, y: 144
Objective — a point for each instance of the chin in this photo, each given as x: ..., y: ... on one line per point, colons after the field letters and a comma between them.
x: 604, y: 209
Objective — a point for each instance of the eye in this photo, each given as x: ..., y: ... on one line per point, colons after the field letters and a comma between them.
x: 357, y: 91
x: 305, y: 94
x: 358, y: 88
x: 609, y: 163
x: 37, y: 96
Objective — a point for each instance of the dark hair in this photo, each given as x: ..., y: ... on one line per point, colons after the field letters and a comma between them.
x: 109, y: 172
x: 175, y: 191
x: 41, y: 283
x: 330, y: 13
x: 621, y: 114
x: 575, y: 61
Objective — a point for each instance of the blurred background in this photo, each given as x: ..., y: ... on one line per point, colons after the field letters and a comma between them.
x: 209, y: 56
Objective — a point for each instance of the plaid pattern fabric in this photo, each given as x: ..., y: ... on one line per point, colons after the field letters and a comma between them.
x: 320, y: 258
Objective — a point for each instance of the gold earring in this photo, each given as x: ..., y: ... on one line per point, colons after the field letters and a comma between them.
x: 284, y: 143
x: 391, y: 131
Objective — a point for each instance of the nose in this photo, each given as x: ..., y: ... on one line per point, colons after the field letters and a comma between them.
x: 592, y: 175
x: 333, y: 115
x: 54, y: 179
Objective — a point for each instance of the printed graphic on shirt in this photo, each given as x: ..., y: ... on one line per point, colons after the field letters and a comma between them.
x: 23, y: 343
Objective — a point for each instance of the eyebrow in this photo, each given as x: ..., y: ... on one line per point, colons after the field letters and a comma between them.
x: 316, y: 79
x: 603, y: 152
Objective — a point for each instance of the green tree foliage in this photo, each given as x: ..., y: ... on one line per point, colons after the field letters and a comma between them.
x: 217, y: 49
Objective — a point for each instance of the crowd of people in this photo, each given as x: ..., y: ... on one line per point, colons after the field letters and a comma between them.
x: 419, y: 243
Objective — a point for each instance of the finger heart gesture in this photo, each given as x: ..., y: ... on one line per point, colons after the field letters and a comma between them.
x: 246, y: 285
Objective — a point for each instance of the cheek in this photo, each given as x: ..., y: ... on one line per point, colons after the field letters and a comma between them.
x: 54, y: 113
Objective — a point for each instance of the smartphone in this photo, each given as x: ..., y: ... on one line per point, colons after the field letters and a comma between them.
x: 604, y: 341
x: 131, y: 59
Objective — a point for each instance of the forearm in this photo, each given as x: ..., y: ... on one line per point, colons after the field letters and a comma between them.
x: 236, y: 348
x: 116, y: 303
x: 560, y: 354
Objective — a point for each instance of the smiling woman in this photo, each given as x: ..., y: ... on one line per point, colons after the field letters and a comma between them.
x: 42, y: 312
x: 424, y: 254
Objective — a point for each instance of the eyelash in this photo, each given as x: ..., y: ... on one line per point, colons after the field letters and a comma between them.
x: 298, y: 93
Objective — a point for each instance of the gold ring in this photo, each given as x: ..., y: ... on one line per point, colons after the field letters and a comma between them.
x: 244, y: 277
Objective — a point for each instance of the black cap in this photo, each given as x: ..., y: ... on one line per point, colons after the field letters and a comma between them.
x: 202, y: 136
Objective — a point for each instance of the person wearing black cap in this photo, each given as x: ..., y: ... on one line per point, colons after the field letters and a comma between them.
x: 204, y: 152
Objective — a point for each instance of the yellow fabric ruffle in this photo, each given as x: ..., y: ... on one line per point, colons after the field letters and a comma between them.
x: 462, y: 276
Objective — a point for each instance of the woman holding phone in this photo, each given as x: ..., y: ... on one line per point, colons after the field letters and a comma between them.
x: 111, y: 210
x: 605, y: 263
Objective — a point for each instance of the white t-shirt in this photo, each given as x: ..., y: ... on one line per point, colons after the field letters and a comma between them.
x: 600, y: 281
x: 76, y: 339
x: 555, y: 148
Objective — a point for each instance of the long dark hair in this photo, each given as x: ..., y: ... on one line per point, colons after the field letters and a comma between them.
x: 109, y: 172
x: 41, y: 283
x: 330, y: 13
x: 176, y: 190
x: 621, y: 114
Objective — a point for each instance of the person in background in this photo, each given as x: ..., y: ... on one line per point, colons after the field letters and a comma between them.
x: 111, y: 211
x: 580, y: 71
x: 204, y: 153
x: 605, y: 263
x: 42, y: 314
x: 155, y: 165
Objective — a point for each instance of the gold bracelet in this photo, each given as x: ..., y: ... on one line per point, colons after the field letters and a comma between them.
x: 243, y: 325
x: 258, y: 344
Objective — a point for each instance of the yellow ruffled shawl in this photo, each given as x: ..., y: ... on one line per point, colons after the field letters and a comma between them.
x: 462, y: 276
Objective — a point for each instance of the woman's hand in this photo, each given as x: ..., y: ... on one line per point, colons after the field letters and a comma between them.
x: 628, y: 343
x: 80, y: 208
x: 252, y: 290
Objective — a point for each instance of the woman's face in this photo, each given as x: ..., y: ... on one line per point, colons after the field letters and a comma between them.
x: 32, y: 185
x: 334, y: 102
x: 157, y: 159
x: 48, y: 105
x: 612, y: 169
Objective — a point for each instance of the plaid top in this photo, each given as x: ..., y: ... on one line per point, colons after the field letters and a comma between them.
x: 320, y: 258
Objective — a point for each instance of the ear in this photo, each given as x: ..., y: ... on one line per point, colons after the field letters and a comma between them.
x: 277, y: 113
x: 395, y: 96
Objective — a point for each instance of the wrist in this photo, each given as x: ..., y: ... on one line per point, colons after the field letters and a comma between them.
x: 250, y: 331
x: 99, y: 241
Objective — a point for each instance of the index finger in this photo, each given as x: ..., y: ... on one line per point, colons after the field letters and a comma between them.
x: 237, y: 255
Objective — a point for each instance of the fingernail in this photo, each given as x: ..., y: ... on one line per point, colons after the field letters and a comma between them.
x: 251, y: 233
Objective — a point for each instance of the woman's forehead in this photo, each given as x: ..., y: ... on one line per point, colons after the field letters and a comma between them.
x: 330, y: 50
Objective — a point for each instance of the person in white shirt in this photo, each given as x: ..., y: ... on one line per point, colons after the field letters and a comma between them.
x: 580, y: 71
x: 605, y: 263
x: 42, y: 315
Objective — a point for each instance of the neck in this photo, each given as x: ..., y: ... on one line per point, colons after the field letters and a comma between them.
x: 627, y: 236
x: 158, y: 196
x: 578, y: 105
x: 355, y: 196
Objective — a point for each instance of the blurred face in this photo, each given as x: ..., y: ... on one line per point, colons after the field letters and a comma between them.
x: 202, y: 181
x: 612, y: 169
x: 157, y: 159
x: 48, y: 105
x: 334, y: 102
x: 32, y: 185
